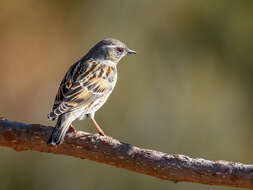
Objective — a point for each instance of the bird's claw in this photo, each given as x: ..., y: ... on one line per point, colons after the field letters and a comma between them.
x: 101, y: 133
x: 71, y: 129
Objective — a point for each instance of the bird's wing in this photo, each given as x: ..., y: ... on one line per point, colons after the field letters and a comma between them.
x: 83, y: 83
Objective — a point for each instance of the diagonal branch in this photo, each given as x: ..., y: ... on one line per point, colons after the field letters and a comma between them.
x: 177, y: 168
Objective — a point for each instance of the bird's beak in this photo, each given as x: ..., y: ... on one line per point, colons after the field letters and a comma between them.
x: 129, y: 51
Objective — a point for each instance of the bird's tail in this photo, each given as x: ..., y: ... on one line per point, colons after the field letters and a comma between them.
x: 60, y: 130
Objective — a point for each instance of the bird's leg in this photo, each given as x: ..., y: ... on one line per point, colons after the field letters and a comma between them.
x: 71, y: 129
x: 100, y: 131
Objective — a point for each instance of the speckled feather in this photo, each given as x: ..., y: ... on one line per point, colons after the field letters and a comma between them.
x: 84, y: 83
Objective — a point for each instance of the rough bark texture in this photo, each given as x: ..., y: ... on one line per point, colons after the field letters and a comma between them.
x: 177, y: 168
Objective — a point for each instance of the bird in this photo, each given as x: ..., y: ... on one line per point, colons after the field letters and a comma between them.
x: 86, y: 87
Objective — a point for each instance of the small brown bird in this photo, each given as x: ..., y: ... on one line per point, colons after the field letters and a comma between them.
x: 86, y: 87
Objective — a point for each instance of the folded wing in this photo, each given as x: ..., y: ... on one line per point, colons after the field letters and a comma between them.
x: 84, y: 83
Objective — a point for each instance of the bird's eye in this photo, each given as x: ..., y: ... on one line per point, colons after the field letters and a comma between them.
x: 119, y: 50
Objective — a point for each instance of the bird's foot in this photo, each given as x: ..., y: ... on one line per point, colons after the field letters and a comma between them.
x: 71, y: 129
x: 101, y: 133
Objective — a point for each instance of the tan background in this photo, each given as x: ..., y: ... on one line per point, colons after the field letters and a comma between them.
x: 188, y: 90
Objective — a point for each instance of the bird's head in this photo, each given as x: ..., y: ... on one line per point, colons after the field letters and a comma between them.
x: 110, y: 50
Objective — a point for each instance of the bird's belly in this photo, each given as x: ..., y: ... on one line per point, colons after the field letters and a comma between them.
x: 96, y: 104
x: 82, y: 116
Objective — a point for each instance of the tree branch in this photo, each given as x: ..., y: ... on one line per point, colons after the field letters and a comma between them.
x: 177, y: 168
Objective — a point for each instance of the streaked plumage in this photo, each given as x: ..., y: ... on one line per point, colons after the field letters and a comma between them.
x: 86, y: 87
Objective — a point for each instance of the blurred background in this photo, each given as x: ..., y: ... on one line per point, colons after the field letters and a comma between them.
x: 190, y: 90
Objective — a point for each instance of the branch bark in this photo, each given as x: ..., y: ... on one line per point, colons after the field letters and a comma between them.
x: 177, y: 168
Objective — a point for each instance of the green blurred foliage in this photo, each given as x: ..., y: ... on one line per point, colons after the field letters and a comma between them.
x: 188, y: 90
